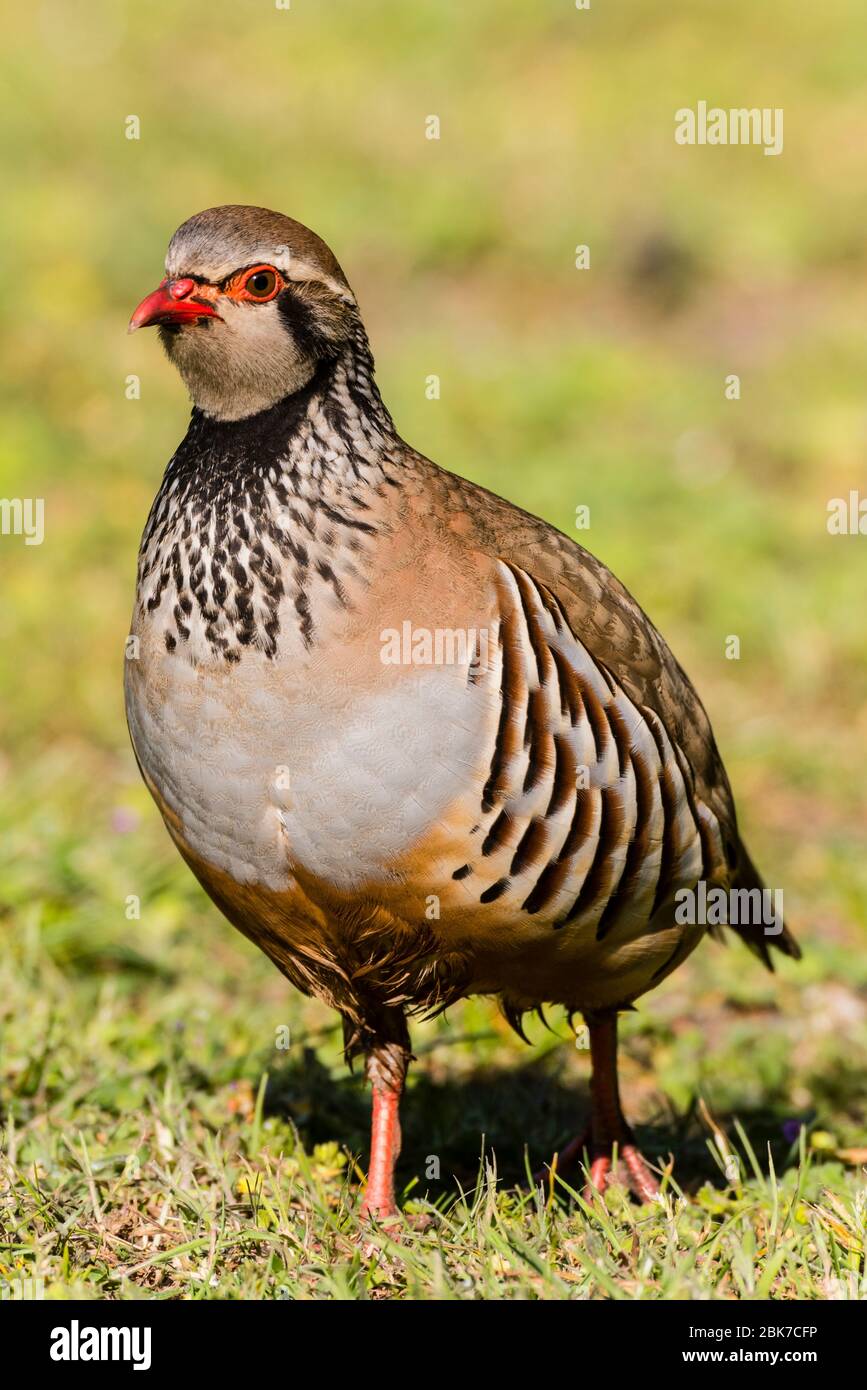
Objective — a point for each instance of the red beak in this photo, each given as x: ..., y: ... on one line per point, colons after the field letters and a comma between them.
x: 171, y: 303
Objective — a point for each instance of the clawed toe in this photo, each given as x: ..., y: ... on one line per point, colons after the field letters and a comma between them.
x: 642, y: 1182
x: 607, y: 1130
x: 631, y: 1171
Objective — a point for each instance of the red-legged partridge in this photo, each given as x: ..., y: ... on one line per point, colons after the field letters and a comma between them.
x: 413, y: 741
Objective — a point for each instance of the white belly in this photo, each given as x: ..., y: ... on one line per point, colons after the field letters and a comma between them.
x: 267, y: 772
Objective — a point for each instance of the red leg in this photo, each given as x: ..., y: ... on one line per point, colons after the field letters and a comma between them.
x: 607, y: 1124
x: 386, y: 1069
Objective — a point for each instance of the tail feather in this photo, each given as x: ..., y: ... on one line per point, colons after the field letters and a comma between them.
x: 753, y: 933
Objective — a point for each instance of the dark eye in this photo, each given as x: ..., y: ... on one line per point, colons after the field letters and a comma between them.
x: 262, y: 284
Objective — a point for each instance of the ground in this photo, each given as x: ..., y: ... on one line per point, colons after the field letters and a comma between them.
x: 175, y: 1120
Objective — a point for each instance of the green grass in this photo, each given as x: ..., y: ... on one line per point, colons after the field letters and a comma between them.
x: 159, y: 1142
x: 142, y: 1153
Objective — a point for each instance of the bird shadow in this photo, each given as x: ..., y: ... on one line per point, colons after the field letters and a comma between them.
x: 519, y: 1115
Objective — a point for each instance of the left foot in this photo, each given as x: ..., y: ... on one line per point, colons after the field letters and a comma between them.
x: 386, y: 1069
x: 607, y: 1126
x: 632, y: 1169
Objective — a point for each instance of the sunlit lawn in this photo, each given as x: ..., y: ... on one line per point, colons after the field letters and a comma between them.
x: 143, y: 1151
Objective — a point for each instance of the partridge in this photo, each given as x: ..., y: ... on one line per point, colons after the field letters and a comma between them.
x: 413, y: 741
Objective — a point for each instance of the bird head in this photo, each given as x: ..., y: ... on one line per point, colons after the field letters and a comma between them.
x: 252, y: 302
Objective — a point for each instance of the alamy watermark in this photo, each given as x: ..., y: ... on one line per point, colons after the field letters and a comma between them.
x: 730, y: 907
x: 21, y: 1288
x: 713, y: 125
x: 847, y: 516
x: 23, y: 516
x: 439, y: 646
x: 77, y: 1343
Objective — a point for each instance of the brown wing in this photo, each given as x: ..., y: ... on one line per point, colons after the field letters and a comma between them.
x: 619, y: 636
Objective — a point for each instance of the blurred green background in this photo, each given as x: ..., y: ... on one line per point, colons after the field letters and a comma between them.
x: 559, y: 387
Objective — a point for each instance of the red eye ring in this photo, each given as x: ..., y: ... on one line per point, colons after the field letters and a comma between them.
x: 259, y: 284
